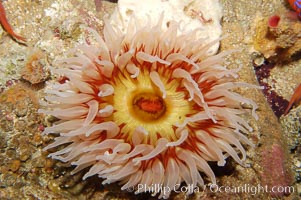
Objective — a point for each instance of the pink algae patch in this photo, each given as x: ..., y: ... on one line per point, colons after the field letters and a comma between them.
x: 275, y: 177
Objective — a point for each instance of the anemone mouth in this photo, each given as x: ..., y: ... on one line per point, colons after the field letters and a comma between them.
x: 148, y: 106
x: 144, y: 111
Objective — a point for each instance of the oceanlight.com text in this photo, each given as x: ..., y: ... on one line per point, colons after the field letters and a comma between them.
x: 245, y: 188
x: 251, y: 189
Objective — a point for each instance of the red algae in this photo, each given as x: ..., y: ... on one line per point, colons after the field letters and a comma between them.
x: 276, y: 102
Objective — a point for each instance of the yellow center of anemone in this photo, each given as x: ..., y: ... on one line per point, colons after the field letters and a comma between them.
x: 138, y: 102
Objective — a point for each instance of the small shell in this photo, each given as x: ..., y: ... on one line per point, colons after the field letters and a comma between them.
x: 257, y: 59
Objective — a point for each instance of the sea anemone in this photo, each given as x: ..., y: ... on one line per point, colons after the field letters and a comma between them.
x: 149, y: 107
x: 273, y: 21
